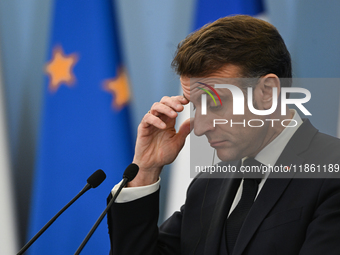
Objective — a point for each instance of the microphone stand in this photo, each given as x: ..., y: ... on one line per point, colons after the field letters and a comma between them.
x: 101, y: 217
x: 42, y: 230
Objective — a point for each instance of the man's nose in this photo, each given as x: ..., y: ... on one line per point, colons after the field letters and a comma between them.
x: 202, y: 123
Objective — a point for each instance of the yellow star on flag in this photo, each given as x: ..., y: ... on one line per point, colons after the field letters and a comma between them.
x: 119, y: 87
x: 60, y: 68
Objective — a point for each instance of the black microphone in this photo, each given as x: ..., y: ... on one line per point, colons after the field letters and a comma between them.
x: 92, y: 182
x: 129, y: 174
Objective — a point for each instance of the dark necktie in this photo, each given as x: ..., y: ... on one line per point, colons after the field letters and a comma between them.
x: 236, y: 218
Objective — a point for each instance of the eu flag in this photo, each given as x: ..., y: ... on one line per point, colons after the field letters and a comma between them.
x: 85, y: 126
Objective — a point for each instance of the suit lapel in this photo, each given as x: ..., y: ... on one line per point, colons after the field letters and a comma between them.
x: 225, y: 199
x: 267, y: 198
x: 269, y: 195
x: 275, y: 186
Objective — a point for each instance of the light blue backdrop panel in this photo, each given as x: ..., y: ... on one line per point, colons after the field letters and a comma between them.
x: 311, y: 31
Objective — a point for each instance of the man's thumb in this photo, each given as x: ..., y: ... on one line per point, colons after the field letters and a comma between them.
x: 185, y: 128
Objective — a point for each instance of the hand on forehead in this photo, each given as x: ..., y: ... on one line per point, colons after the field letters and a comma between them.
x: 224, y: 75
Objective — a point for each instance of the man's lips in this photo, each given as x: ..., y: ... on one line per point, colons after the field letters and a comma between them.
x: 217, y: 143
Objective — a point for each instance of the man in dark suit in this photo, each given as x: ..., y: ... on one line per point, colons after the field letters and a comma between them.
x: 266, y: 214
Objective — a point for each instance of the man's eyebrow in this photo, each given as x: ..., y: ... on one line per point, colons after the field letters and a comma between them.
x: 212, y: 89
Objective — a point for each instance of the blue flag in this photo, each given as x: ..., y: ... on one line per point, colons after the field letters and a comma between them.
x: 85, y: 126
x: 211, y: 10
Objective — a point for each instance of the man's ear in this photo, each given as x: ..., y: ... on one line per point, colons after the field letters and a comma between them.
x: 264, y: 90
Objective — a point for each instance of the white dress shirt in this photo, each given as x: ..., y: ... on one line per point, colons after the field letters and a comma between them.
x: 269, y: 155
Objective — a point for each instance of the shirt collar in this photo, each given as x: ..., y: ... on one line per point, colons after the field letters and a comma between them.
x: 270, y: 154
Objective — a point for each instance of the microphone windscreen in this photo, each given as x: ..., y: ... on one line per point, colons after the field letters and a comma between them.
x: 131, y: 172
x: 96, y: 178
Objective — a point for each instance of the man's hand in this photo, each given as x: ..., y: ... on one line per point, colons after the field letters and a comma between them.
x: 157, y: 143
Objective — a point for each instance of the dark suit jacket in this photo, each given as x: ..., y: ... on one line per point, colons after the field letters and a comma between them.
x: 290, y: 216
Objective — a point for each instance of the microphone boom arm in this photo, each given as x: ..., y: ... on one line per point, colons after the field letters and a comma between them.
x: 101, y: 217
x: 49, y: 223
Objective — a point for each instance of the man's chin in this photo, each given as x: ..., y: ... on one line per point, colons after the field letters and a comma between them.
x: 227, y: 155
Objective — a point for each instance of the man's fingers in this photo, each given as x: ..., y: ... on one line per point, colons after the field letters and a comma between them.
x: 169, y: 106
x: 152, y: 120
x: 185, y: 129
x: 176, y: 102
x: 160, y: 111
x: 159, y: 108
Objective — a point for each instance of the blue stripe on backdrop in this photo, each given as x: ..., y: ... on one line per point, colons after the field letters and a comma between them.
x: 85, y: 126
x: 211, y: 10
